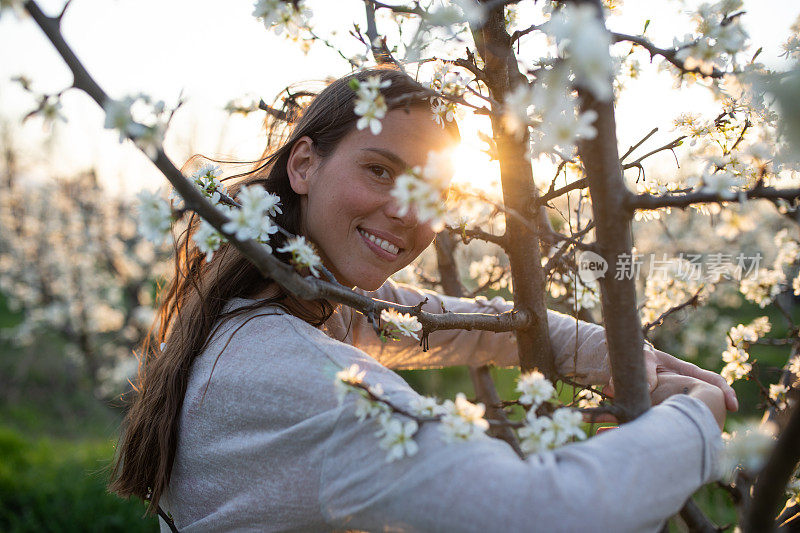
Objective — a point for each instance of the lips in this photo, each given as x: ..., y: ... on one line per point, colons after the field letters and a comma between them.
x: 385, y: 246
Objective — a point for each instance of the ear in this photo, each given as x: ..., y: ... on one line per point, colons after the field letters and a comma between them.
x: 301, y: 160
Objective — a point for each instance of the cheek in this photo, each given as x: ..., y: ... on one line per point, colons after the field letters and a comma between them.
x: 425, y: 237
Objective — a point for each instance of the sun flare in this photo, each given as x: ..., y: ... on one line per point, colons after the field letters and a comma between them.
x: 472, y: 164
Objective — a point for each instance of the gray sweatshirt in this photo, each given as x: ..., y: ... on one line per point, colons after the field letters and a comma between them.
x: 264, y: 444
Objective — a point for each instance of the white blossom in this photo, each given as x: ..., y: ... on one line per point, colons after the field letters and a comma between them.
x: 765, y: 286
x: 425, y: 406
x: 443, y: 110
x: 400, y: 323
x: 370, y: 105
x: 536, y: 435
x: 588, y: 399
x: 207, y: 239
x: 251, y: 220
x: 540, y: 433
x: 584, y: 41
x: 456, y: 12
x: 778, y: 393
x: 714, y: 43
x: 150, y: 139
x: 794, y: 366
x: 241, y: 225
x: 462, y: 420
x: 346, y: 378
x: 155, y: 217
x: 280, y: 15
x: 51, y: 109
x: 424, y: 189
x: 788, y: 249
x: 751, y: 332
x: 398, y: 439
x: 746, y: 447
x: 736, y: 366
x: 535, y: 388
x: 583, y: 294
x: 303, y: 255
x: 515, y: 108
x: 567, y: 424
x: 719, y: 183
x: 366, y: 407
x: 119, y: 117
x: 564, y: 129
x: 206, y: 180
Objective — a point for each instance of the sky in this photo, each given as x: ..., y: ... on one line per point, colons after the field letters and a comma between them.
x: 213, y: 51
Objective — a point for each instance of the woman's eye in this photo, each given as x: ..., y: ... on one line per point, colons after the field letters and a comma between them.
x: 380, y: 172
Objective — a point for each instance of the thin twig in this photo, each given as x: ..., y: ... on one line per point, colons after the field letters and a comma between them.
x: 692, y: 301
x: 638, y: 144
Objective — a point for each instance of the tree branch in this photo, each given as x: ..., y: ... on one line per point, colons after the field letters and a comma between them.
x: 613, y: 238
x: 476, y: 233
x: 650, y: 201
x: 481, y: 377
x: 771, y: 481
x: 667, y: 53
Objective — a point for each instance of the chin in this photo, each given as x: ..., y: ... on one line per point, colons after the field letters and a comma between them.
x: 370, y: 284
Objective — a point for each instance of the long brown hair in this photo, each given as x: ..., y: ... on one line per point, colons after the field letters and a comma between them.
x: 191, y: 308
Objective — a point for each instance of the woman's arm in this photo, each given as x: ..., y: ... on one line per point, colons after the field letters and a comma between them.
x: 568, y: 337
x: 579, y: 347
x: 629, y: 479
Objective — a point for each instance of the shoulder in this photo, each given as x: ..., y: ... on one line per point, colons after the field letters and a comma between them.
x: 268, y: 351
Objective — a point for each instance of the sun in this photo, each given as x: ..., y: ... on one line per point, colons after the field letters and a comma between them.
x: 472, y: 165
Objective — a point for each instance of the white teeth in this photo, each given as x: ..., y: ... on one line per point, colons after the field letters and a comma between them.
x: 386, y: 245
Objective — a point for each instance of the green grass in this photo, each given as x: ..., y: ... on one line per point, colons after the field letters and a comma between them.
x: 56, y: 445
x: 50, y: 484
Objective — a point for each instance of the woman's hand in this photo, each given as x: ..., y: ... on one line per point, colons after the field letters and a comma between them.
x: 670, y: 383
x: 657, y: 361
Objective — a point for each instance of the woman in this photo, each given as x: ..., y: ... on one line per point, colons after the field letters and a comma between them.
x: 237, y: 425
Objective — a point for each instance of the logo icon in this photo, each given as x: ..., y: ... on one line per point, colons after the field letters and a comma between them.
x: 591, y: 266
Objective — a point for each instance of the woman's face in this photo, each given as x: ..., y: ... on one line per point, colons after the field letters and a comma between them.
x: 346, y: 205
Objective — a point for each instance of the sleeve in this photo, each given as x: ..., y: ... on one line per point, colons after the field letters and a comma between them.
x: 579, y: 347
x: 629, y: 479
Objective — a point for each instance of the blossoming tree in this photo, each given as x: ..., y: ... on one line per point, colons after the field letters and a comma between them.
x: 98, y: 301
x: 546, y: 75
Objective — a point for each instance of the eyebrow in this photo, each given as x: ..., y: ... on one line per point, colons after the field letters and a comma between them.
x: 391, y: 156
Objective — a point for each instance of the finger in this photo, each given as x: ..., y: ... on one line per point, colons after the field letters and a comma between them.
x: 650, y: 370
x: 688, y: 369
x: 731, y: 402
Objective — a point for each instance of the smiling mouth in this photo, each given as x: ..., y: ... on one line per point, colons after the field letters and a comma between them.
x: 390, y: 251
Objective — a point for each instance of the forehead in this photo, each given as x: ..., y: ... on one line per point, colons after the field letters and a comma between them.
x: 409, y: 134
